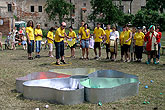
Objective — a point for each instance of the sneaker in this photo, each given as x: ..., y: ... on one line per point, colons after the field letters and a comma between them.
x: 96, y: 57
x: 107, y: 58
x: 51, y: 56
x: 39, y: 56
x: 128, y: 61
x: 57, y: 63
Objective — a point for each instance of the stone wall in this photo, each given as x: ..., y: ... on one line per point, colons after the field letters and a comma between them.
x: 5, y: 28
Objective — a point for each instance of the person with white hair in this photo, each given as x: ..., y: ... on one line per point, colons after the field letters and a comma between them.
x: 59, y: 43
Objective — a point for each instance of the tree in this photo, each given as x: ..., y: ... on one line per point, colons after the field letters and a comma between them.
x: 105, y: 12
x: 59, y: 8
x: 146, y: 18
x: 156, y: 5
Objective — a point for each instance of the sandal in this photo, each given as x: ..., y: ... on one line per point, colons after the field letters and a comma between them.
x: 57, y: 63
x: 63, y: 61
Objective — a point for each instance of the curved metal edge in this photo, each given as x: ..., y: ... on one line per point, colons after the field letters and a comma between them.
x: 54, y: 95
x: 95, y: 95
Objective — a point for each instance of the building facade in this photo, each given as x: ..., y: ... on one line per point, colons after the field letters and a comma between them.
x: 24, y: 10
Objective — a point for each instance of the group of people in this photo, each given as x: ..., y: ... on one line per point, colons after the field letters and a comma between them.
x: 16, y: 37
x: 133, y: 42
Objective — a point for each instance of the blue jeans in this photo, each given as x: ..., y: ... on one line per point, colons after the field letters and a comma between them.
x: 59, y: 49
x: 38, y: 46
x: 159, y: 46
x: 85, y: 43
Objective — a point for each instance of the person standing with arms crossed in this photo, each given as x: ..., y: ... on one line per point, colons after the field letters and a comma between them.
x: 99, y: 34
x: 30, y: 39
x: 59, y: 43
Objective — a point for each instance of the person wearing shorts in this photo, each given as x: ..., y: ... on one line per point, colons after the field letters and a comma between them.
x: 114, y: 36
x: 30, y: 39
x: 127, y: 43
x: 121, y: 42
x: 38, y: 38
x: 50, y: 38
x: 59, y: 43
x: 99, y: 34
x: 107, y: 32
x: 85, y: 41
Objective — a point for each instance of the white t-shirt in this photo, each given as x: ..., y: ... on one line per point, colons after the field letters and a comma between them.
x: 114, y: 35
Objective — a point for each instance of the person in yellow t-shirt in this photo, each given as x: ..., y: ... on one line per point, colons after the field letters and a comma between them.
x: 127, y: 43
x: 107, y: 32
x: 50, y: 39
x: 99, y: 34
x: 38, y: 39
x: 30, y: 39
x: 121, y: 43
x: 80, y: 32
x: 139, y: 42
x: 59, y: 43
x: 85, y: 41
x: 73, y: 37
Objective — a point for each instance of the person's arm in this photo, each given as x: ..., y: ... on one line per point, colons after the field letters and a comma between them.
x: 27, y: 34
x: 88, y: 34
x: 130, y: 37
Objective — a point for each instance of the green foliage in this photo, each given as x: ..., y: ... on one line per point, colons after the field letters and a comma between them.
x: 105, y: 12
x: 44, y: 32
x: 58, y: 8
x: 156, y: 5
x: 146, y: 17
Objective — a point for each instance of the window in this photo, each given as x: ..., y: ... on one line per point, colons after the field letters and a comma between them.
x: 39, y: 8
x: 73, y: 11
x: 84, y: 4
x: 121, y: 8
x: 142, y: 7
x: 46, y: 25
x: 32, y: 8
x: 9, y: 7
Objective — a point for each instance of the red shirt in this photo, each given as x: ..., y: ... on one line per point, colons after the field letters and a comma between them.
x: 160, y: 36
x: 148, y: 39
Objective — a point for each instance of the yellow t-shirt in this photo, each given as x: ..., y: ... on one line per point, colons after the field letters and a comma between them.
x: 126, y: 37
x: 61, y: 33
x: 80, y: 30
x: 84, y: 36
x: 50, y: 35
x: 98, y: 33
x: 73, y: 34
x: 139, y: 37
x: 107, y: 32
x: 122, y: 38
x: 38, y: 31
x: 30, y: 32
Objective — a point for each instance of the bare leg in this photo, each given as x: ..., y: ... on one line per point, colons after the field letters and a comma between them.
x: 87, y: 53
x: 83, y: 52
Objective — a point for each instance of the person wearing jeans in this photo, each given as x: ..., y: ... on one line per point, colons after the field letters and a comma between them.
x: 59, y: 43
x: 159, y: 44
x: 38, y: 38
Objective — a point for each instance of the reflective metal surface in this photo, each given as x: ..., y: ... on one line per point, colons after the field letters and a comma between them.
x: 80, y: 84
x: 109, y: 85
x: 75, y: 71
x: 65, y: 91
x: 36, y: 76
